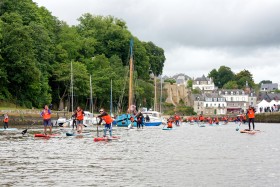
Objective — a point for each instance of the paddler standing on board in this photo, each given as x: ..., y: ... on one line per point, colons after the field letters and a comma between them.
x: 108, y: 121
x: 251, y: 116
x: 46, y: 114
x: 79, y: 115
x: 177, y: 118
x: 6, y: 121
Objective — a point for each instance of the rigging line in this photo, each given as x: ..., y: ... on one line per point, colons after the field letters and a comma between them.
x: 126, y: 74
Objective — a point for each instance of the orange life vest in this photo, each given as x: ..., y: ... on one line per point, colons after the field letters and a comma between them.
x: 46, y: 115
x: 169, y: 124
x: 107, y: 119
x: 6, y: 120
x: 80, y: 115
x: 177, y: 117
x: 251, y: 113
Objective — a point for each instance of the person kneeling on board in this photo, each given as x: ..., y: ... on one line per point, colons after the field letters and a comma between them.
x: 108, y: 121
x: 169, y: 123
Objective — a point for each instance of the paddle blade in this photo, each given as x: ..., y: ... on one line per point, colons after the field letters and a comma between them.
x: 129, y: 126
x: 24, y: 132
x: 237, y: 128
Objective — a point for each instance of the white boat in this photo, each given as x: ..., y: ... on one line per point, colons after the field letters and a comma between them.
x: 154, y: 116
x: 89, y: 120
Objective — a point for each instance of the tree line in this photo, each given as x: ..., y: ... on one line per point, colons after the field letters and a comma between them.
x: 38, y: 48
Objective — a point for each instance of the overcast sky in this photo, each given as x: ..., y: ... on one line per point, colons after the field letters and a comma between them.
x: 196, y: 35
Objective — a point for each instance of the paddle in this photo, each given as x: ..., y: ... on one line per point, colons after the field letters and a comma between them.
x: 97, y: 127
x: 237, y: 128
x: 25, y: 130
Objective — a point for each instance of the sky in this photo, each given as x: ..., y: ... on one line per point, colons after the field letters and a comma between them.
x: 196, y: 35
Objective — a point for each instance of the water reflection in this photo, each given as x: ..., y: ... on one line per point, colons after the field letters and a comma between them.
x: 187, y: 156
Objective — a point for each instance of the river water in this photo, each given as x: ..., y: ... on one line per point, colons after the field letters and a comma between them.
x: 187, y: 156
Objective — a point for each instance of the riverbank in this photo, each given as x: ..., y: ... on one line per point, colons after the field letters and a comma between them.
x: 273, y: 117
x: 29, y: 116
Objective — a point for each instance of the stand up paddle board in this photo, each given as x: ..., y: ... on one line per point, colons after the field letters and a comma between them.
x: 249, y: 132
x: 98, y: 139
x: 75, y: 134
x: 8, y: 129
x: 165, y: 128
x: 45, y: 135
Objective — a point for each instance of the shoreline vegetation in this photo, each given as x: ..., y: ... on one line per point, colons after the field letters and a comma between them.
x: 27, y: 116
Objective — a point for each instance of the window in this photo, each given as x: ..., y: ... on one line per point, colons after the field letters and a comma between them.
x: 231, y: 99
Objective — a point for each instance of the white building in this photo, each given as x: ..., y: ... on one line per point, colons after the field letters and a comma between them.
x: 204, y: 84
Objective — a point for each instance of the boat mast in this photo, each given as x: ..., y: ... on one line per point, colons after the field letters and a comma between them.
x: 160, y: 94
x: 91, y: 103
x: 72, y: 89
x: 130, y: 94
x: 111, y: 100
x: 155, y: 100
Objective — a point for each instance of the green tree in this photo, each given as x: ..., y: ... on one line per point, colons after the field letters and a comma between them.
x: 170, y: 80
x: 189, y: 83
x: 156, y: 57
x: 4, y: 92
x: 231, y: 85
x: 62, y: 78
x: 265, y: 82
x: 20, y: 60
x: 214, y: 75
x: 222, y: 76
x: 244, y: 77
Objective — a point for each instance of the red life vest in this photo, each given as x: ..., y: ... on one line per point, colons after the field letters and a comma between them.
x: 46, y: 115
x: 80, y: 115
x: 107, y: 119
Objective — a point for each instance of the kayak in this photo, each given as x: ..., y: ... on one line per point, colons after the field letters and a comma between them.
x: 165, y: 128
x: 8, y: 129
x: 75, y: 134
x: 45, y: 135
x: 98, y: 139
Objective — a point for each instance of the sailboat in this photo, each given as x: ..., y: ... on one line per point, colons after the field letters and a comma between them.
x: 123, y: 120
x: 155, y: 117
x: 89, y: 118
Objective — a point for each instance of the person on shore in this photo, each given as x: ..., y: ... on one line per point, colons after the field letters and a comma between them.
x: 46, y: 114
x: 108, y: 121
x: 79, y: 115
x: 6, y: 121
x: 251, y: 116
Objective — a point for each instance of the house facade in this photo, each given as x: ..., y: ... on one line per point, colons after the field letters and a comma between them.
x: 204, y: 84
